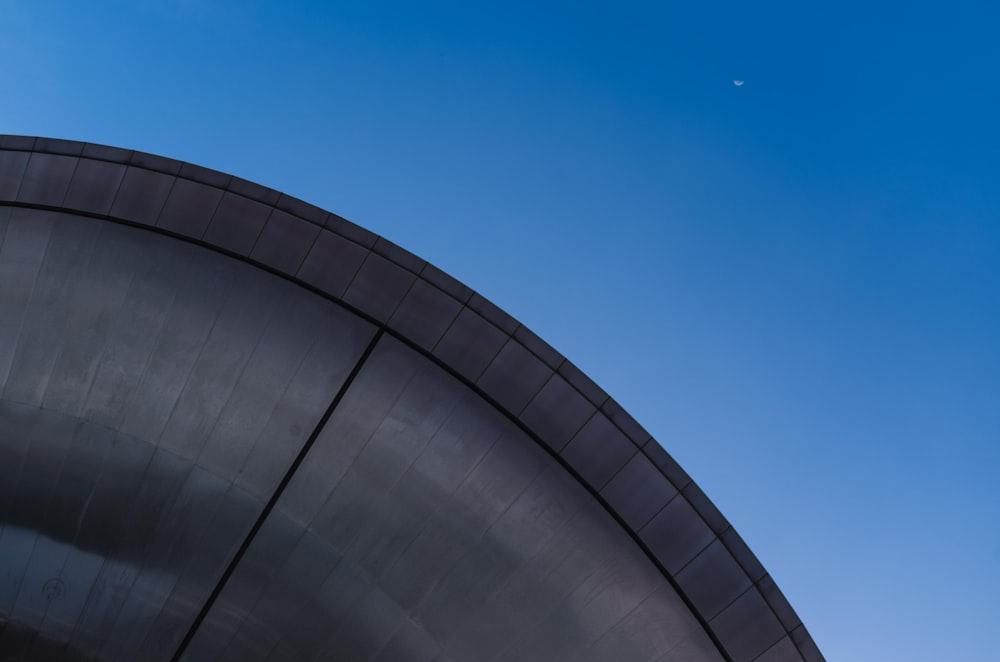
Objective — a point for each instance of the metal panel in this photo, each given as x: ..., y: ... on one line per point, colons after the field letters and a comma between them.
x: 46, y: 179
x: 741, y: 552
x: 189, y: 208
x: 424, y: 314
x: 152, y: 331
x: 713, y: 580
x: 348, y: 230
x: 94, y: 186
x: 426, y: 518
x: 470, y: 344
x: 779, y: 605
x: 106, y: 153
x: 302, y: 209
x: 676, y: 534
x: 154, y: 393
x: 399, y: 255
x: 747, y: 627
x: 141, y: 196
x: 514, y: 377
x: 539, y: 347
x: 378, y: 287
x: 624, y: 422
x: 331, y: 263
x: 599, y: 451
x: 284, y: 242
x: 667, y: 464
x: 446, y: 283
x: 557, y: 412
x: 638, y: 492
x: 237, y: 223
x: 807, y: 647
x: 18, y: 142
x: 12, y: 166
x: 663, y: 614
x: 582, y: 383
x: 783, y: 651
x: 58, y: 146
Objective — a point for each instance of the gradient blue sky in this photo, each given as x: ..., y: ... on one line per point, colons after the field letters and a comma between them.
x: 793, y: 284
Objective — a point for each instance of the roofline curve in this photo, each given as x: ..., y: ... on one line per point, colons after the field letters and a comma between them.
x: 639, y: 483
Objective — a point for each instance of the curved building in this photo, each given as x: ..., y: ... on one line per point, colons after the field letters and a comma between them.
x: 235, y: 426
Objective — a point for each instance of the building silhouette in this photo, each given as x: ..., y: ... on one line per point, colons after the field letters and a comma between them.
x: 236, y: 426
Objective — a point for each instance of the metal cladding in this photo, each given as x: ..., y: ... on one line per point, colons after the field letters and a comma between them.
x: 236, y: 426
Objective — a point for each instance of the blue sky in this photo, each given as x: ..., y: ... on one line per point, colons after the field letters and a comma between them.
x: 793, y: 284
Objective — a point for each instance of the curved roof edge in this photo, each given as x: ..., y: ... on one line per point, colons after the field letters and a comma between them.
x: 610, y: 453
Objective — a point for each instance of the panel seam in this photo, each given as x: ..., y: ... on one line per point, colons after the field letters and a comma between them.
x: 273, y: 501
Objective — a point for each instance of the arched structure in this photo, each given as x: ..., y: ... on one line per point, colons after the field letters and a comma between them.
x: 236, y: 426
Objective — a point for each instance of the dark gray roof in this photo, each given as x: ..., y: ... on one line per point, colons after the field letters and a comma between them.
x: 402, y: 296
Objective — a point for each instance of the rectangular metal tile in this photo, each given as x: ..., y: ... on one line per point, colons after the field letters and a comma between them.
x: 204, y: 175
x: 26, y: 236
x: 365, y: 630
x: 746, y: 558
x: 253, y: 191
x: 625, y: 422
x: 778, y: 603
x: 650, y: 632
x: 492, y: 312
x: 284, y: 242
x: 302, y: 209
x: 557, y: 412
x: 470, y: 344
x: 231, y: 626
x: 697, y: 498
x: 348, y: 230
x: 539, y: 347
x: 17, y: 142
x: 409, y: 643
x: 582, y: 383
x: 155, y: 163
x: 514, y: 377
x: 331, y: 263
x: 446, y: 283
x: 46, y: 179
x: 58, y: 146
x: 783, y: 651
x: 98, y: 296
x: 94, y: 186
x: 747, y: 627
x: 12, y: 166
x: 58, y: 284
x: 807, y: 647
x: 400, y: 256
x: 378, y: 287
x: 489, y: 490
x: 598, y: 451
x: 237, y: 223
x: 667, y: 464
x: 676, y: 534
x: 713, y: 580
x: 424, y: 314
x: 107, y: 153
x: 141, y: 195
x: 189, y: 208
x: 638, y: 491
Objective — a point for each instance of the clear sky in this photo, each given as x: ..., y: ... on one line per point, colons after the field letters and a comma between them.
x: 794, y: 284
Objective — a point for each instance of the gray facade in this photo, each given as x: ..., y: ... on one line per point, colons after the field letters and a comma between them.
x: 236, y: 426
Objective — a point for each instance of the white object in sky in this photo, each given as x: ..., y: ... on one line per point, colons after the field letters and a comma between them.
x: 738, y: 83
